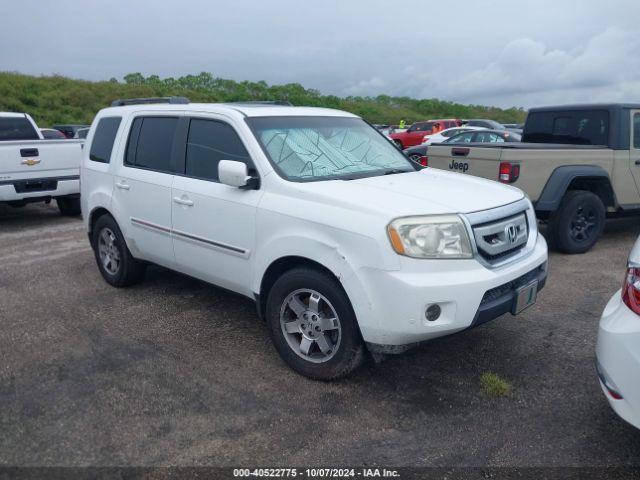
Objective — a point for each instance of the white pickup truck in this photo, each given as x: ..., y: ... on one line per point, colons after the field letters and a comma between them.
x: 36, y: 170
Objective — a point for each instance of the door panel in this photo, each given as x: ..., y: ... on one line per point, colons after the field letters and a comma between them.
x: 143, y: 209
x: 213, y: 224
x: 214, y: 231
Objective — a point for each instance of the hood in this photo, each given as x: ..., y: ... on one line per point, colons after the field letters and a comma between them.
x: 425, y: 192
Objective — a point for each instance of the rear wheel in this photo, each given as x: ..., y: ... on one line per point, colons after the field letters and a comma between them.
x: 312, y: 325
x: 69, y: 206
x: 114, y: 259
x: 576, y: 226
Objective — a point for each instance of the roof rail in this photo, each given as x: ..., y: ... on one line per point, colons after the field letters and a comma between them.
x: 142, y: 101
x: 280, y: 103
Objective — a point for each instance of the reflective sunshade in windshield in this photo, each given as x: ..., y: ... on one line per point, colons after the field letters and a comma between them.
x: 321, y: 148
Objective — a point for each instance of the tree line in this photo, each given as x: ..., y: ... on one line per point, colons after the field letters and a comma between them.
x: 58, y: 99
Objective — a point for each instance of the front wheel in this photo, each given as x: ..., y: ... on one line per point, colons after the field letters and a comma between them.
x: 576, y: 226
x: 313, y: 326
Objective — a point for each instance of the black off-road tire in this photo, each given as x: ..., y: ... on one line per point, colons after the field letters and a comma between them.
x: 578, y: 223
x: 130, y: 271
x: 350, y: 352
x: 69, y: 206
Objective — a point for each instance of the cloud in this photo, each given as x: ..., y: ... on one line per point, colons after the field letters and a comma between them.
x: 606, y: 67
x: 495, y: 52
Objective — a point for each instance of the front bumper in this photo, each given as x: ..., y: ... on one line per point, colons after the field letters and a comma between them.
x: 618, y: 359
x: 467, y: 292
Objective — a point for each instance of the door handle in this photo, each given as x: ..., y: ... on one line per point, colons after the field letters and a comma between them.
x: 122, y: 186
x: 638, y: 162
x: 29, y: 152
x: 183, y: 201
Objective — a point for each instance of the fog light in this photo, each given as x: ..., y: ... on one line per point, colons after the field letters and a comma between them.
x: 433, y: 312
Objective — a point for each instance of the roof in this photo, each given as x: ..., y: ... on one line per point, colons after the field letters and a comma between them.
x: 246, y: 110
x: 587, y: 106
x: 12, y: 114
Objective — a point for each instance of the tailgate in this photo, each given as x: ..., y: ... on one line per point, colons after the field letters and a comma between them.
x: 481, y: 162
x: 39, y: 158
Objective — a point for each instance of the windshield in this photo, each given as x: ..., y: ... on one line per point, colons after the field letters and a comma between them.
x: 323, y: 148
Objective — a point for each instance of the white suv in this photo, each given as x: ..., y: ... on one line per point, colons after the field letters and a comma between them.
x: 344, y: 245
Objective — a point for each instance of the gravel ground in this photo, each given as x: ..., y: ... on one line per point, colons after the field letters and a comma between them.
x: 178, y: 372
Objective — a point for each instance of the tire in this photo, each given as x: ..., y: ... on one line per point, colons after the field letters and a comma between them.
x: 578, y: 223
x: 68, y: 206
x: 290, y: 302
x: 122, y: 270
x: 398, y: 144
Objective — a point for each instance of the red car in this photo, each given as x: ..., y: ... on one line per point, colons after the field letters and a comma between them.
x: 417, y: 131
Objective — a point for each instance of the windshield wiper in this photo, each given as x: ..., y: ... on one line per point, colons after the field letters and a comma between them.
x: 393, y: 171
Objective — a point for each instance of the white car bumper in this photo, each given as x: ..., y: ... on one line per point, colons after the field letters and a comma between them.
x: 39, y: 188
x: 618, y: 359
x: 467, y: 293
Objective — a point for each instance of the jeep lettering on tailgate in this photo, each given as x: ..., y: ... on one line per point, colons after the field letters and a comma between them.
x: 461, y: 166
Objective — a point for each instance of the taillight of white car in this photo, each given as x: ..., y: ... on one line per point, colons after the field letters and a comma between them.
x: 631, y: 289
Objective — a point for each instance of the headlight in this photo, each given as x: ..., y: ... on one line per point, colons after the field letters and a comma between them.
x: 437, y: 236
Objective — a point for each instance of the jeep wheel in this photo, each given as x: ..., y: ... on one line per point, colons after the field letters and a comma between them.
x: 312, y: 325
x: 114, y: 259
x: 576, y: 226
x: 398, y: 144
x: 68, y: 206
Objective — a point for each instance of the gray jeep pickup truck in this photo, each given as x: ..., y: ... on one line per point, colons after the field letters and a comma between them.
x: 579, y: 164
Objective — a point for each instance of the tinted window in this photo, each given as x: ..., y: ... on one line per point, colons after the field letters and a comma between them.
x: 103, y: 139
x: 17, y: 128
x: 636, y: 130
x: 50, y: 134
x: 208, y: 143
x: 578, y: 127
x: 422, y: 127
x: 488, y: 137
x: 154, y: 143
x: 460, y: 138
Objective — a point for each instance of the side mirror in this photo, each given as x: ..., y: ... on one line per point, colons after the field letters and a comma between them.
x: 234, y: 174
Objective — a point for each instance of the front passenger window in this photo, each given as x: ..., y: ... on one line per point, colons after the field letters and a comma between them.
x: 210, y: 141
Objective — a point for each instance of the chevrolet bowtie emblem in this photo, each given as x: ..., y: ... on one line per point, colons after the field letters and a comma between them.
x: 30, y: 161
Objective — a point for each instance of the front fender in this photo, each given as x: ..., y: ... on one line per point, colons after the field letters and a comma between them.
x: 336, y: 256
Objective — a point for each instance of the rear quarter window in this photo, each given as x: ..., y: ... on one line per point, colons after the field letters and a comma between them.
x: 103, y: 138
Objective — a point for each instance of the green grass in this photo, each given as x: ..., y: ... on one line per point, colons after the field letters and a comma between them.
x: 493, y: 385
x: 58, y: 99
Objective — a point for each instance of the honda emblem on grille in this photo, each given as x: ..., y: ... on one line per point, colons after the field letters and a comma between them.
x: 511, y: 231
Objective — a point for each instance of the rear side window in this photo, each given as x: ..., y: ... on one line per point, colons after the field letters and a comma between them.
x: 103, y: 139
x: 17, y: 128
x: 151, y: 142
x: 208, y: 142
x: 575, y: 127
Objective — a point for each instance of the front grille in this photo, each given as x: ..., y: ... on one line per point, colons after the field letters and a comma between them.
x: 501, y: 290
x: 500, y: 239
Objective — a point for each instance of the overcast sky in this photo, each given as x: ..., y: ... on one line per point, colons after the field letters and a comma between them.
x: 494, y: 52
